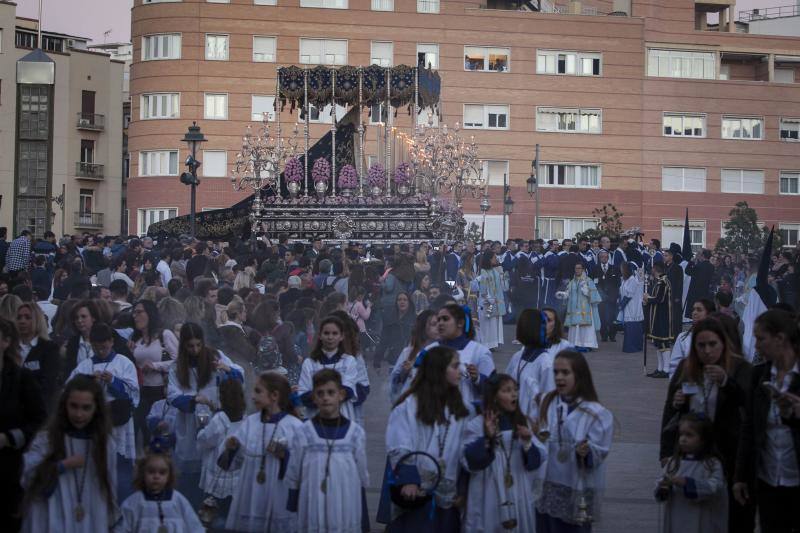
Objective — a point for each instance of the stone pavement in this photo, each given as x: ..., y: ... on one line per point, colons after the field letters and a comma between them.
x: 632, y: 465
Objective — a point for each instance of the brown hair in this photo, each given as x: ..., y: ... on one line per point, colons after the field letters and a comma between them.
x: 141, y: 466
x: 205, y: 360
x: 431, y: 390
x: 316, y: 353
x: 693, y: 368
x: 231, y: 399
x: 584, y: 385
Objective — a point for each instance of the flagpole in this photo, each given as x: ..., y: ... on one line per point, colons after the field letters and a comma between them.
x: 645, y: 325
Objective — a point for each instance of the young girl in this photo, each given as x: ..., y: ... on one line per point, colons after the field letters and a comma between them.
x: 541, y: 335
x: 70, y: 469
x: 327, y: 472
x: 502, y: 457
x: 329, y: 352
x: 156, y: 505
x: 258, y: 450
x: 578, y: 432
x: 352, y: 345
x: 429, y: 417
x: 475, y: 360
x: 213, y: 480
x: 193, y: 391
x: 693, y: 484
x: 426, y: 331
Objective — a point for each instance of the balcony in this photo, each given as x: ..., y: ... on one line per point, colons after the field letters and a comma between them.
x: 88, y: 220
x: 91, y: 122
x: 571, y: 7
x: 765, y: 13
x: 89, y: 171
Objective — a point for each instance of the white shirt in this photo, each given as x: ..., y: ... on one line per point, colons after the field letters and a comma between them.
x: 124, y: 277
x: 778, y: 465
x: 49, y: 309
x: 165, y: 271
x: 85, y: 350
x: 25, y: 349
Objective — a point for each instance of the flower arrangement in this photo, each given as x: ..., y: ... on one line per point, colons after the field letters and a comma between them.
x: 348, y: 178
x: 293, y: 171
x: 402, y: 174
x: 321, y: 170
x: 376, y: 177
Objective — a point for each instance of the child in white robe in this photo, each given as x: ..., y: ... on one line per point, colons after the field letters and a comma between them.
x: 426, y: 331
x: 578, y: 431
x: 503, y: 460
x: 327, y: 473
x: 117, y: 375
x: 430, y: 417
x: 693, y: 483
x: 351, y: 345
x: 329, y: 352
x: 258, y: 450
x: 156, y: 505
x: 70, y: 470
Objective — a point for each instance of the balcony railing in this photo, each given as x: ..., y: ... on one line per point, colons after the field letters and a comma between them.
x: 763, y: 13
x: 88, y: 220
x: 91, y: 171
x: 91, y: 121
x: 541, y: 6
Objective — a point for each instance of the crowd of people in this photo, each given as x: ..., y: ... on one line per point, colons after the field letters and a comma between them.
x: 184, y: 384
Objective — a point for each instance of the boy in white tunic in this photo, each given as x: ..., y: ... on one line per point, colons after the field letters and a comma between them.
x: 327, y: 473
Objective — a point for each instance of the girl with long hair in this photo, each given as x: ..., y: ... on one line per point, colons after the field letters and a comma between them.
x: 83, y: 316
x: 683, y: 343
x: 352, y: 345
x: 37, y: 352
x: 577, y: 430
x: 330, y: 352
x: 258, y: 450
x: 70, y: 468
x: 429, y: 417
x: 502, y: 457
x: 425, y: 332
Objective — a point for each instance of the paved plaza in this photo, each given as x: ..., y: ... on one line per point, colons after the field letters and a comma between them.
x: 632, y: 466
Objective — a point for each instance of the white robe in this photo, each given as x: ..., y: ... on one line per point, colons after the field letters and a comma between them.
x: 632, y: 288
x: 120, y: 367
x: 535, y: 379
x: 347, y: 366
x: 57, y: 512
x: 363, y: 380
x: 255, y: 506
x: 705, y: 513
x: 487, y: 490
x: 338, y: 510
x: 211, y: 440
x: 476, y: 354
x: 140, y: 515
x: 398, y: 382
x: 680, y: 351
x: 565, y: 483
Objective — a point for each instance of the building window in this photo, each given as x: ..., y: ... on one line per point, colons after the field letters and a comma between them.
x: 486, y: 59
x: 161, y: 46
x: 265, y: 2
x: 672, y: 231
x: 216, y: 47
x: 428, y: 55
x: 264, y: 49
x: 159, y: 1
x: 564, y: 228
x: 571, y: 175
x: 790, y: 234
x: 486, y: 117
x: 568, y: 63
x: 568, y: 120
x: 324, y: 116
x: 680, y: 125
x: 34, y: 107
x: 326, y: 4
x: 495, y: 172
x: 23, y: 39
x: 215, y: 163
x: 218, y: 1
x: 216, y: 106
x: 491, y: 226
x: 383, y: 5
x: 742, y: 181
x: 159, y: 105
x: 784, y: 75
x: 742, y: 128
x: 87, y: 151
x: 790, y: 129
x: 681, y: 64
x: 378, y: 115
x: 152, y: 215
x: 158, y: 163
x: 790, y: 183
x: 427, y: 6
x: 262, y: 104
x: 32, y: 168
x: 382, y: 53
x: 427, y: 117
x: 683, y: 179
x: 323, y: 51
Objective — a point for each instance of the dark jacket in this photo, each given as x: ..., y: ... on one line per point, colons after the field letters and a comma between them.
x: 607, y: 283
x: 674, y: 274
x: 753, y: 435
x: 44, y: 362
x: 395, y: 334
x: 71, y: 356
x: 700, y: 285
x: 731, y: 401
x: 237, y: 345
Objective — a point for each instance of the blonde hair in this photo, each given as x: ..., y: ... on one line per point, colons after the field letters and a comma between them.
x: 39, y: 320
x: 245, y: 279
x: 9, y: 304
x: 234, y: 310
x: 171, y: 312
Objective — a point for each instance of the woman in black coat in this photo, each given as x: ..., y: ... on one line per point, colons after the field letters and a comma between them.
x: 396, y: 331
x: 37, y: 352
x: 712, y: 382
x: 21, y: 413
x: 83, y: 316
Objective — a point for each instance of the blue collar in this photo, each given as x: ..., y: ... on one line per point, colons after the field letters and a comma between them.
x: 332, y: 360
x: 459, y: 343
x: 505, y: 423
x: 97, y: 361
x: 79, y: 433
x: 531, y: 354
x: 162, y: 496
x: 273, y: 419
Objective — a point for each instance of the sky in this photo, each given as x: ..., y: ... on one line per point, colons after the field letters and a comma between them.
x: 92, y: 18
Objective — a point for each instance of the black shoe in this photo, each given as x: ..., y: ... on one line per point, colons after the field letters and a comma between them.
x: 654, y: 374
x: 612, y: 339
x: 663, y: 375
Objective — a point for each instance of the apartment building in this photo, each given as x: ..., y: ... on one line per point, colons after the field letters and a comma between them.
x: 61, y: 121
x: 640, y: 103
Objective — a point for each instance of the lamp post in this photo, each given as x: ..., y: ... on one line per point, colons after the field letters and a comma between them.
x: 533, y: 190
x: 485, y: 205
x: 193, y: 137
x: 60, y: 202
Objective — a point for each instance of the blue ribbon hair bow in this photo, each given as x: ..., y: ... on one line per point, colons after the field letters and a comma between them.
x: 420, y: 358
x: 295, y: 399
x: 467, y: 318
x: 543, y: 328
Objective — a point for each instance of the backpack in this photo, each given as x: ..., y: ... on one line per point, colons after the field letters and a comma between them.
x: 328, y: 286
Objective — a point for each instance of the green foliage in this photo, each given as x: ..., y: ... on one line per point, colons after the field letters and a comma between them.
x: 609, y: 223
x: 473, y: 233
x: 742, y: 233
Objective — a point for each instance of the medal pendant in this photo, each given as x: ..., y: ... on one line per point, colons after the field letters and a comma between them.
x: 508, y: 480
x: 562, y: 455
x: 79, y: 513
x: 163, y: 529
x: 261, y: 477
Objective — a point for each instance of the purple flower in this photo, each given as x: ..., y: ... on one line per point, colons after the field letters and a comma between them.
x: 402, y: 174
x: 293, y: 171
x: 348, y: 178
x: 321, y: 170
x: 376, y: 177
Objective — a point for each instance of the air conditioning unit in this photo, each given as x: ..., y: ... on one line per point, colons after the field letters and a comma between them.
x: 84, y: 122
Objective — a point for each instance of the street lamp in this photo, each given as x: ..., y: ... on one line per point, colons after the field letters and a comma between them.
x: 485, y: 205
x: 508, y: 203
x: 193, y: 137
x: 533, y: 190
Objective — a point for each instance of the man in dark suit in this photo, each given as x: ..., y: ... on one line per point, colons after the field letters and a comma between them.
x: 701, y: 271
x: 607, y: 280
x: 674, y: 274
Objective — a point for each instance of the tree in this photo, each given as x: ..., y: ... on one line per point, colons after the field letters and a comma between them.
x: 742, y: 233
x: 609, y: 223
x: 473, y: 233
